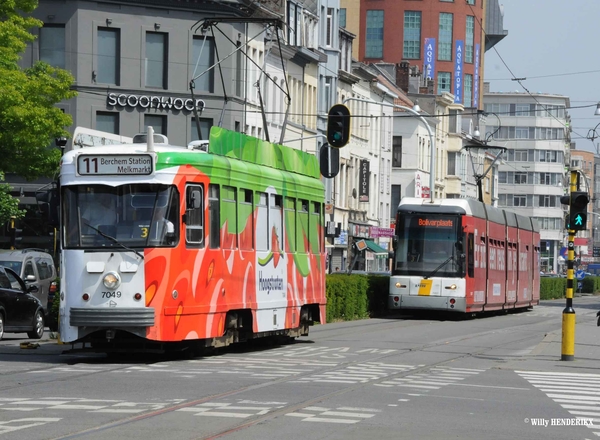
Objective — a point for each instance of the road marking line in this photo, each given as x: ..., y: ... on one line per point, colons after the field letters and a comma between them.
x: 347, y: 414
x: 224, y: 414
x: 318, y: 419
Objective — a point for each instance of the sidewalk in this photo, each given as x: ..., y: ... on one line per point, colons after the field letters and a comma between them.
x: 547, y: 354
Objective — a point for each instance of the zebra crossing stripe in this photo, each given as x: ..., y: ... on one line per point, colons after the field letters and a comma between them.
x: 575, y: 392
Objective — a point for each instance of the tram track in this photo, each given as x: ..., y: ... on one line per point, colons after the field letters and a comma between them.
x: 324, y: 334
x: 444, y: 342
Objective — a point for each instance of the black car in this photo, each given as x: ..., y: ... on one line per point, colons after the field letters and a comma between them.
x: 20, y: 311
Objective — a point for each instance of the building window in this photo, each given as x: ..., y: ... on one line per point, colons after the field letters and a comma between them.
x: 469, y: 36
x: 343, y: 17
x: 412, y: 35
x: 521, y: 155
x: 468, y: 90
x: 327, y: 93
x: 109, y: 44
x: 520, y: 178
x: 157, y: 122
x: 203, y: 58
x: 396, y: 195
x: 205, y: 125
x: 445, y: 37
x: 156, y: 60
x: 397, y: 151
x: 52, y: 45
x: 293, y: 24
x: 107, y: 122
x: 374, y: 34
x: 520, y: 200
x: 452, y: 164
x: 454, y: 121
x: 521, y: 132
x: 329, y: 30
x: 239, y: 69
x: 444, y: 79
x: 523, y: 110
x: 470, y: 2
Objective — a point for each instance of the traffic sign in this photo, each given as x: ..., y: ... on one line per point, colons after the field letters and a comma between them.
x: 580, y: 275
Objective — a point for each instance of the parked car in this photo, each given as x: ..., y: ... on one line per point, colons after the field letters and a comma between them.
x: 20, y: 310
x: 34, y: 267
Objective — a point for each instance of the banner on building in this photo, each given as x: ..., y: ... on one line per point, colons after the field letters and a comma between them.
x: 458, y: 72
x: 363, y: 190
x: 429, y: 58
x: 476, y: 79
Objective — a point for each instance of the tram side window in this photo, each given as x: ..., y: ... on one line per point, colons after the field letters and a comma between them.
x: 262, y: 222
x: 290, y: 223
x: 302, y: 235
x: 194, y: 215
x: 214, y: 232
x: 276, y: 218
x: 471, y: 256
x: 229, y: 216
x: 315, y: 217
x: 246, y: 219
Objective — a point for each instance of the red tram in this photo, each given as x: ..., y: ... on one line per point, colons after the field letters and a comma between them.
x: 464, y: 256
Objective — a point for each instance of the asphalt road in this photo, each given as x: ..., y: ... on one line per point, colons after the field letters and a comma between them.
x: 422, y: 377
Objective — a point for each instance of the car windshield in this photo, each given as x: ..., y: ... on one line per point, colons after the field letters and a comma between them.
x: 14, y: 265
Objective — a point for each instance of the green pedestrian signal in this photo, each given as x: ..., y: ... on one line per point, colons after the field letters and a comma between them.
x: 578, y: 210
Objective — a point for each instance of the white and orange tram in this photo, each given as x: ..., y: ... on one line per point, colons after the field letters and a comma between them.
x: 461, y: 255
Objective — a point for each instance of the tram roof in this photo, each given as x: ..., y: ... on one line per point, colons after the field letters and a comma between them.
x: 222, y: 142
x: 468, y: 207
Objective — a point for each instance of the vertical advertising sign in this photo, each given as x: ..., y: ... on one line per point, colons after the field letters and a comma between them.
x: 418, y: 184
x: 458, y: 72
x: 476, y: 78
x: 429, y: 58
x: 363, y: 191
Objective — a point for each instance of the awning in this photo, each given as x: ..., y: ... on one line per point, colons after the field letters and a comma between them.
x: 375, y: 248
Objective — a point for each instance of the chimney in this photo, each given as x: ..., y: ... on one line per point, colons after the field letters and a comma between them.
x: 402, y: 75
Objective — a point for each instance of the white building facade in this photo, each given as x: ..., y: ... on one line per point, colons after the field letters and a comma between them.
x: 531, y: 178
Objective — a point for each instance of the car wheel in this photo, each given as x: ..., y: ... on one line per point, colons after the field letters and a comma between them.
x: 1, y: 326
x: 38, y: 326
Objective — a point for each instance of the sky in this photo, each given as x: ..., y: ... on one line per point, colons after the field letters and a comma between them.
x: 554, y: 45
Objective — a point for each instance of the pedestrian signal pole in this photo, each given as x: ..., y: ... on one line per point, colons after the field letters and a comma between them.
x: 577, y: 221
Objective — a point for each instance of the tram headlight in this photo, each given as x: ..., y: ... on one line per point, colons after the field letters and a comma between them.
x: 451, y: 287
x: 111, y: 280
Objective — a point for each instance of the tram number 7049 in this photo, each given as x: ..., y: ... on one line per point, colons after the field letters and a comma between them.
x: 116, y: 294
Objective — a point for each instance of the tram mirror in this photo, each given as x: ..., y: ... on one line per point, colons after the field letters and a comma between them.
x: 195, y: 199
x: 459, y: 246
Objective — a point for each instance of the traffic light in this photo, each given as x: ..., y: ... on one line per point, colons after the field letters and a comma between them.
x: 338, y: 126
x: 15, y: 234
x: 578, y: 210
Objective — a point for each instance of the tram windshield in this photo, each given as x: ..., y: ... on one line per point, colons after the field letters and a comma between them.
x: 428, y: 245
x: 127, y: 216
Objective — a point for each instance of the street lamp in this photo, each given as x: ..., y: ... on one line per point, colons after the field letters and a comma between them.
x: 592, y: 134
x: 414, y: 111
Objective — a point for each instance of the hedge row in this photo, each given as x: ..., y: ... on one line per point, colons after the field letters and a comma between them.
x: 352, y: 297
